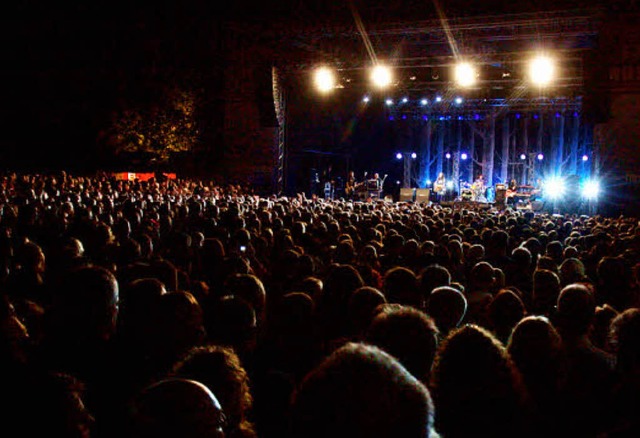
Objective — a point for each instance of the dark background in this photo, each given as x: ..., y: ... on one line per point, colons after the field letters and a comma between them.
x: 68, y: 65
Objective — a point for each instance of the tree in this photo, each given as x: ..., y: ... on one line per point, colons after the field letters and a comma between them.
x: 158, y: 130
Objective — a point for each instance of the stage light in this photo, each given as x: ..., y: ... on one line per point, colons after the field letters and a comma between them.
x: 405, y: 100
x: 447, y: 155
x: 464, y: 156
x: 523, y: 157
x: 423, y: 102
x: 591, y: 189
x: 398, y: 182
x: 554, y: 188
x: 399, y: 156
x: 465, y: 74
x: 414, y: 155
x: 428, y: 182
x: 540, y: 157
x: 438, y: 99
x: 585, y: 158
x: 389, y: 102
x: 541, y: 70
x: 458, y: 100
x: 450, y: 185
x: 381, y: 76
x: 365, y: 99
x: 325, y: 79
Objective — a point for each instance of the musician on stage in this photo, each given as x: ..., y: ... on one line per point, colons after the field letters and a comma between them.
x: 439, y: 186
x: 478, y: 188
x: 350, y: 185
x: 512, y: 189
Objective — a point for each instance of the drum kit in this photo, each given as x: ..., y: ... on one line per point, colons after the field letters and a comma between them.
x: 472, y: 192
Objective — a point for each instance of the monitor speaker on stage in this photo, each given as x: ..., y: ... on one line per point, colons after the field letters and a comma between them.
x: 422, y: 195
x: 407, y: 194
x: 501, y: 194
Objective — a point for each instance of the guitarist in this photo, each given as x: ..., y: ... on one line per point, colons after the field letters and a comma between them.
x: 350, y: 185
x: 439, y: 186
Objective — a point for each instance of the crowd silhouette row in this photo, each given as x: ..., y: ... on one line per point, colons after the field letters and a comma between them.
x: 188, y: 309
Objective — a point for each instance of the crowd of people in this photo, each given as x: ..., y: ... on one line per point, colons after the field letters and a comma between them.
x: 184, y: 308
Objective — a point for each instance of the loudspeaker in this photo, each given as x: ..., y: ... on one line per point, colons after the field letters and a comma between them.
x: 407, y: 194
x: 423, y: 195
x: 501, y: 194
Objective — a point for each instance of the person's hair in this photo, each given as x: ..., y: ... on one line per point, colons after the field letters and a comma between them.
x: 448, y: 306
x: 536, y: 349
x: 409, y: 335
x: 175, y: 407
x: 360, y: 391
x: 546, y: 288
x: 86, y: 302
x: 219, y: 369
x: 625, y: 337
x: 433, y: 276
x: 571, y: 270
x: 474, y: 378
x: 505, y: 311
x: 576, y: 309
x: 401, y: 286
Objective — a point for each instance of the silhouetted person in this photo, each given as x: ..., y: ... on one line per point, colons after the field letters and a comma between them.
x: 360, y: 391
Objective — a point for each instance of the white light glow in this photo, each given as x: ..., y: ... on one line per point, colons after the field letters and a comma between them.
x: 423, y: 102
x: 523, y: 157
x: 591, y: 189
x: 381, y: 76
x: 541, y: 70
x: 464, y: 156
x: 399, y: 156
x: 450, y: 185
x: 325, y: 79
x: 414, y: 155
x: 465, y: 74
x: 554, y: 188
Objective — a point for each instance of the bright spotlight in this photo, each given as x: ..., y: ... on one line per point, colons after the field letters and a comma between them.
x: 405, y: 100
x: 458, y: 100
x: 365, y: 99
x: 523, y: 157
x: 325, y: 79
x: 540, y: 157
x: 450, y: 185
x: 465, y: 74
x: 438, y: 99
x: 389, y: 102
x: 464, y: 156
x: 554, y: 188
x: 423, y: 102
x: 414, y: 155
x: 585, y: 158
x: 447, y: 155
x: 399, y: 156
x: 428, y: 182
x: 541, y: 70
x: 381, y: 76
x: 591, y: 189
